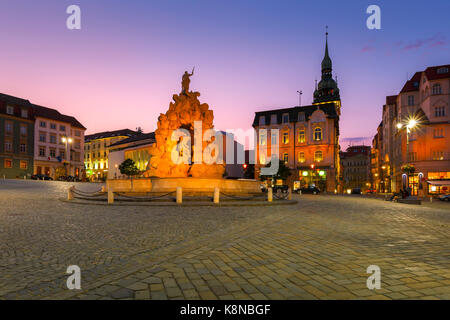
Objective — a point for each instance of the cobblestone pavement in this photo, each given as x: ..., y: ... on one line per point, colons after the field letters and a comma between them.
x: 319, y: 248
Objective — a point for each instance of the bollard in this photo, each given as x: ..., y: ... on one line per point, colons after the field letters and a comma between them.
x: 289, y: 197
x: 216, y: 195
x: 110, y: 196
x: 179, y: 195
x: 431, y: 199
x: 70, y: 193
x: 269, y: 194
x: 103, y: 189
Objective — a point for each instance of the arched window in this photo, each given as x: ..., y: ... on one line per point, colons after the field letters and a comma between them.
x: 318, y: 134
x: 318, y: 156
x: 301, y: 136
x: 437, y: 89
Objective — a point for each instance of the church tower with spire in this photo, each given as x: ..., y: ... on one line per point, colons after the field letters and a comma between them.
x: 327, y: 90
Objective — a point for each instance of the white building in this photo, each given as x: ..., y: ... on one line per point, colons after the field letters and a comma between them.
x: 58, y: 143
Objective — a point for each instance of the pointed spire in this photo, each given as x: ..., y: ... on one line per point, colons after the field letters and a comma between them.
x: 326, y: 42
x: 326, y: 62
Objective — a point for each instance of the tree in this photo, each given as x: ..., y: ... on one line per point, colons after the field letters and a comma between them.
x: 282, y: 174
x: 128, y: 167
x: 249, y: 171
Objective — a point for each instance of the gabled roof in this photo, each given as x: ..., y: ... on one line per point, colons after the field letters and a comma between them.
x: 413, y: 83
x: 52, y: 114
x: 328, y: 108
x: 110, y: 134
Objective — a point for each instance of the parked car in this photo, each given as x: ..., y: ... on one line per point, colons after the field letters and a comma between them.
x: 41, y: 177
x: 356, y: 191
x: 68, y: 178
x: 444, y: 197
x: 283, y: 189
x: 371, y: 191
x: 310, y: 189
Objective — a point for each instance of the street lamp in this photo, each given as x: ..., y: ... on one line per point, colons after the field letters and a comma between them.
x: 67, y: 141
x: 409, y: 125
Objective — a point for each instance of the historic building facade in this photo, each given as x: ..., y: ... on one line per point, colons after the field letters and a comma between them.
x: 308, y: 140
x: 16, y: 137
x: 96, y: 150
x: 355, y: 167
x: 416, y: 132
x: 59, y: 144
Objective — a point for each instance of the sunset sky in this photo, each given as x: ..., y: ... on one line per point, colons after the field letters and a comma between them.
x: 122, y: 68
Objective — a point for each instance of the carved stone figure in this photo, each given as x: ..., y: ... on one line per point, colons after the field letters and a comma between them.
x: 185, y: 81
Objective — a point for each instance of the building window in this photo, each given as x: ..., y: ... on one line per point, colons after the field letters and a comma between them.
x: 77, y: 133
x: 23, y: 148
x: 53, y: 138
x: 62, y: 128
x: 442, y: 70
x: 262, y: 158
x: 77, y: 156
x: 53, y: 153
x: 7, y: 163
x: 318, y: 156
x: 262, y: 120
x: 285, y: 158
x: 273, y: 119
x: 436, y: 89
x: 24, y: 113
x: 42, y: 137
x: 301, y: 136
x: 301, y: 157
x: 8, y: 146
x: 263, y: 137
x: 62, y: 154
x: 438, y: 155
x: 41, y: 151
x: 285, y: 137
x: 10, y: 110
x: 410, y: 100
x: 318, y: 134
x: 285, y: 118
x: 23, y: 130
x: 274, y: 139
x: 53, y: 126
x: 42, y: 124
x: 438, y: 133
x: 23, y: 164
x: 301, y: 117
x: 8, y: 128
x: 412, y: 156
x: 439, y: 112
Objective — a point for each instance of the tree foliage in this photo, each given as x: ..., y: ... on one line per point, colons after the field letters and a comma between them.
x: 128, y: 167
x: 282, y: 174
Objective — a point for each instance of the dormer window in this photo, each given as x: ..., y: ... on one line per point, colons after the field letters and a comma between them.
x: 273, y: 119
x: 262, y: 120
x: 301, y: 117
x: 442, y: 70
x: 10, y: 110
x: 285, y: 118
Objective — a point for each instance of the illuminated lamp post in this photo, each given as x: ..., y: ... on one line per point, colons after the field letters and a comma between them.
x: 67, y: 141
x: 409, y: 125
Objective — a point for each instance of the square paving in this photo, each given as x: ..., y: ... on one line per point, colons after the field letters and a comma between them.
x: 319, y: 248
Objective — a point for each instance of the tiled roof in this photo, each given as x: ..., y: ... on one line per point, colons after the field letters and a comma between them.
x: 432, y: 72
x: 53, y: 114
x: 14, y: 100
x: 328, y: 108
x: 413, y: 83
x: 391, y: 100
x: 110, y: 134
x: 135, y: 138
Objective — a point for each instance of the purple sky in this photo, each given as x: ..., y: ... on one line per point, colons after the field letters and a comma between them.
x: 122, y: 68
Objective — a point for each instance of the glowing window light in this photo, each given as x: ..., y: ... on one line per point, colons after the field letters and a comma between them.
x: 321, y: 173
x: 305, y: 173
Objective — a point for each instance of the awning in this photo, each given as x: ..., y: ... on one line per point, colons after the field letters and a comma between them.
x: 439, y: 182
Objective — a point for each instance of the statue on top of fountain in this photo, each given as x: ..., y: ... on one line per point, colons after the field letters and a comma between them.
x: 185, y: 81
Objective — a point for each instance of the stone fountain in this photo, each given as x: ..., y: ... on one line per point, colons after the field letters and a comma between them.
x: 163, y: 174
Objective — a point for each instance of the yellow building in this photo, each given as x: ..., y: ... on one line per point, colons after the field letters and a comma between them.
x: 96, y: 151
